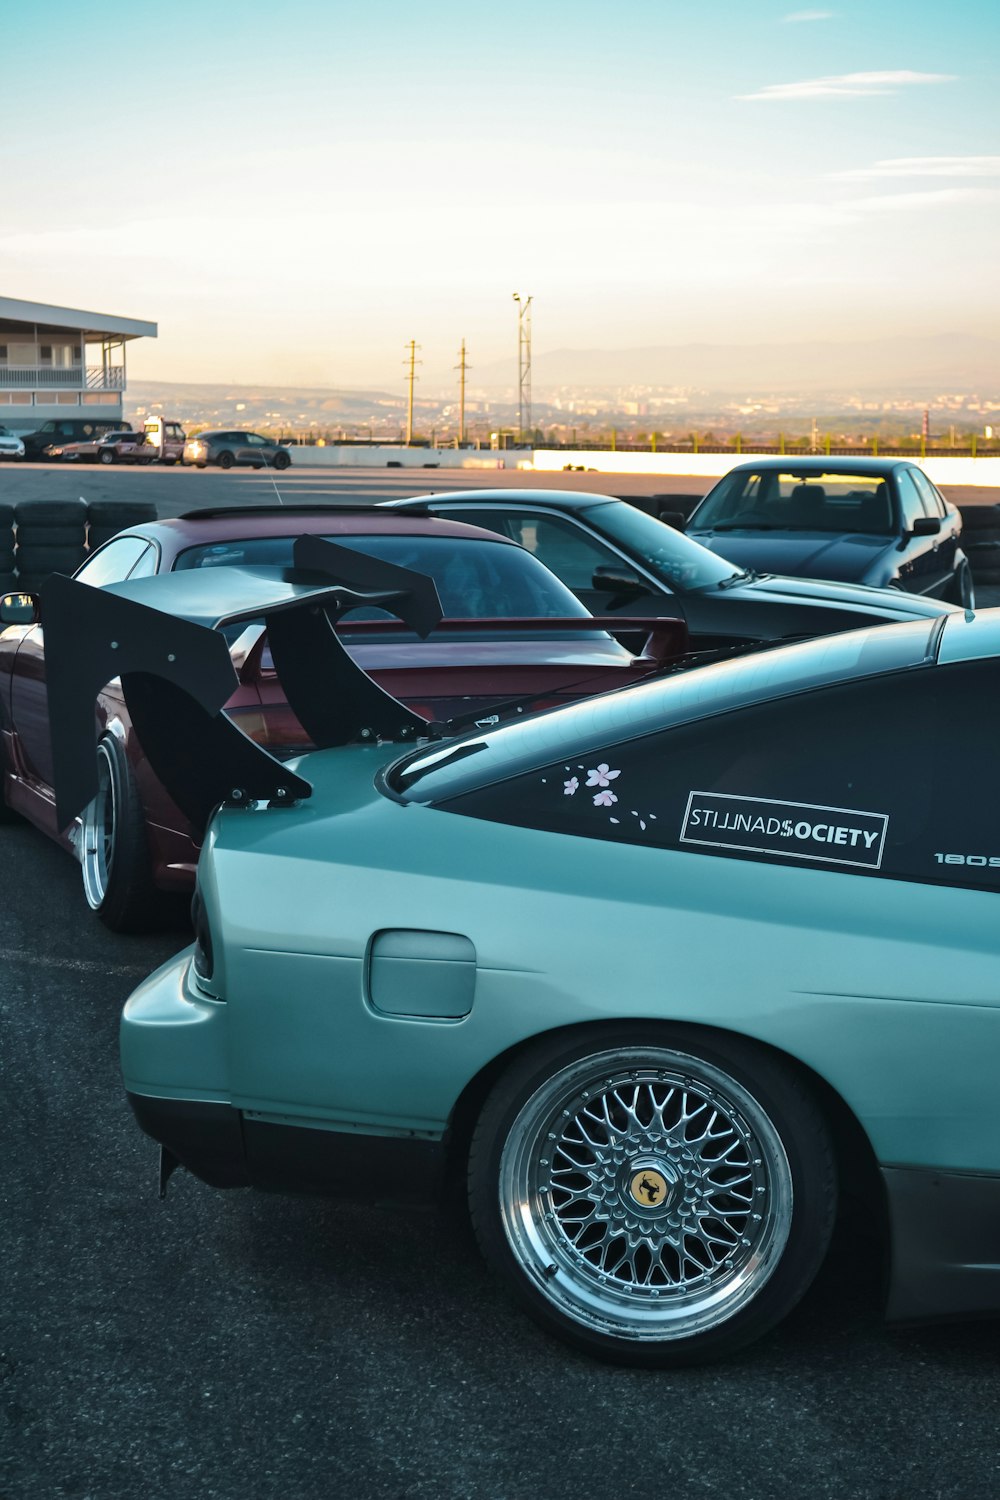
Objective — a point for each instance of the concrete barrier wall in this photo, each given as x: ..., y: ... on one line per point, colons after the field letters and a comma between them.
x: 946, y: 471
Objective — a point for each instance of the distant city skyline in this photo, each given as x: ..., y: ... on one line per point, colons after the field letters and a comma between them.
x: 294, y: 197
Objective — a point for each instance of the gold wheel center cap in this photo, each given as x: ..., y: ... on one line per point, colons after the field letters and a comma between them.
x: 649, y: 1188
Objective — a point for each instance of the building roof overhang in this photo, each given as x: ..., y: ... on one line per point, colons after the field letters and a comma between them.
x: 92, y: 325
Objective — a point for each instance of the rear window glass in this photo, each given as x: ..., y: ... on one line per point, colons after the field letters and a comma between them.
x: 475, y: 580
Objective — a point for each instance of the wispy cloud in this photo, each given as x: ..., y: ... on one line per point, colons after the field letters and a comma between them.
x: 848, y: 85
x: 923, y: 166
x: 809, y: 15
x: 933, y: 198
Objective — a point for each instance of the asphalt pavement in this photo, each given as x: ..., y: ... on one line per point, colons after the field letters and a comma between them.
x: 233, y: 1346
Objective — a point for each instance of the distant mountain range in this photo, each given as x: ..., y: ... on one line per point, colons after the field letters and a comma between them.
x: 914, y: 363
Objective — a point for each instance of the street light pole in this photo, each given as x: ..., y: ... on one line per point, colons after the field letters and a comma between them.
x: 523, y: 364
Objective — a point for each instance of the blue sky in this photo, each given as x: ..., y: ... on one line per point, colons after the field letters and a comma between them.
x: 293, y: 192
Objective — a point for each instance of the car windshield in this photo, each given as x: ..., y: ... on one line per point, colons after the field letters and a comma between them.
x: 683, y: 563
x: 803, y: 500
x: 475, y: 579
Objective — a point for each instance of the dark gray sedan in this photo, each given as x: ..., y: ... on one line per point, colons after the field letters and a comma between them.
x: 618, y: 560
x: 872, y: 521
x: 232, y: 446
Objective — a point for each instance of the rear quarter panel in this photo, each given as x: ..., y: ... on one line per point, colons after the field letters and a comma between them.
x: 886, y: 990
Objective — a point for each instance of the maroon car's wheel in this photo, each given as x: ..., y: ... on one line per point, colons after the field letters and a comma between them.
x: 7, y: 814
x: 114, y: 850
x: 107, y: 455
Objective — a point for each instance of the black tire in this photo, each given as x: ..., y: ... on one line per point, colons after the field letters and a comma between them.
x: 51, y: 513
x: 962, y: 590
x: 225, y: 459
x: 6, y: 515
x: 118, y: 514
x: 282, y: 460
x: 44, y: 560
x: 9, y: 581
x: 33, y: 535
x: 7, y: 561
x: 114, y: 847
x: 7, y: 814
x: 107, y: 456
x: 568, y: 1214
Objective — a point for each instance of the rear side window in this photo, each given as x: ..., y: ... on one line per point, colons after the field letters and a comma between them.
x: 860, y: 778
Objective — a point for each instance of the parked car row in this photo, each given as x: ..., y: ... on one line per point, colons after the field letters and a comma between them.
x: 80, y: 440
x: 660, y: 971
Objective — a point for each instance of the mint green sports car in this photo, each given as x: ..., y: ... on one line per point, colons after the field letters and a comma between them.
x: 661, y: 974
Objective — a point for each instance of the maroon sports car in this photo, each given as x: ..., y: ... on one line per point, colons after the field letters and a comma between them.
x: 512, y: 634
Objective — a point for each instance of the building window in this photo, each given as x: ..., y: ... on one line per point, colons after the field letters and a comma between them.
x: 20, y: 398
x: 63, y: 398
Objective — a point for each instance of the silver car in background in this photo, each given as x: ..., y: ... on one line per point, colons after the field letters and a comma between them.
x: 233, y: 446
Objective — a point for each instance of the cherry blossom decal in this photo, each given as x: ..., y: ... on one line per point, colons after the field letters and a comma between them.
x: 600, y: 777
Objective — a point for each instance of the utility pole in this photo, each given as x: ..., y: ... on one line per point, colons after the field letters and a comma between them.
x: 461, y: 367
x: 413, y: 361
x: 523, y: 365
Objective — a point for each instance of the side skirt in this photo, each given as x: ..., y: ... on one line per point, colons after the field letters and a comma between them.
x: 945, y: 1233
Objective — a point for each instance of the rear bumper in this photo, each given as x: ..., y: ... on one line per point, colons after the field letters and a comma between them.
x: 175, y: 1048
x: 226, y: 1148
x: 945, y: 1255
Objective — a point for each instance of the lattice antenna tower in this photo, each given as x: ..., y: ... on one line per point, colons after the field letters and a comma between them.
x: 523, y: 365
x: 462, y: 366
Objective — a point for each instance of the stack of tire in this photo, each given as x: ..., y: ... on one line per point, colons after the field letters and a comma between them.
x: 8, y: 578
x: 108, y: 517
x: 51, y: 537
x: 981, y: 541
x: 54, y: 536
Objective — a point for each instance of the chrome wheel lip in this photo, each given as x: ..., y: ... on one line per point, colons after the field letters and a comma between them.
x: 596, y: 1299
x: 97, y: 833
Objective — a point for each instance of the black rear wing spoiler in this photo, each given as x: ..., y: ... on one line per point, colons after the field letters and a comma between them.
x: 161, y: 637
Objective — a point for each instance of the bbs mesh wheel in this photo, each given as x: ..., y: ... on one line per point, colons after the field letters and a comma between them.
x: 654, y: 1195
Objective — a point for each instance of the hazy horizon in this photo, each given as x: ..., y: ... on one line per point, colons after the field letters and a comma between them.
x: 293, y: 198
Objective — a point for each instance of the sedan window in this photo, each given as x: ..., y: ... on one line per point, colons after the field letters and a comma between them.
x: 909, y: 499
x: 559, y: 544
x: 933, y: 503
x: 114, y: 562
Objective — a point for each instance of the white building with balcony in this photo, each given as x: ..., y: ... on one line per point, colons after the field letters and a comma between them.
x: 61, y: 362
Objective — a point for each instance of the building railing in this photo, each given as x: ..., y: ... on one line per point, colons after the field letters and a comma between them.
x: 71, y: 378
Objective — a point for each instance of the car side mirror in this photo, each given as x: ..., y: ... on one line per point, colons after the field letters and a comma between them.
x: 19, y: 609
x: 618, y: 579
x: 926, y: 526
x: 675, y: 518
